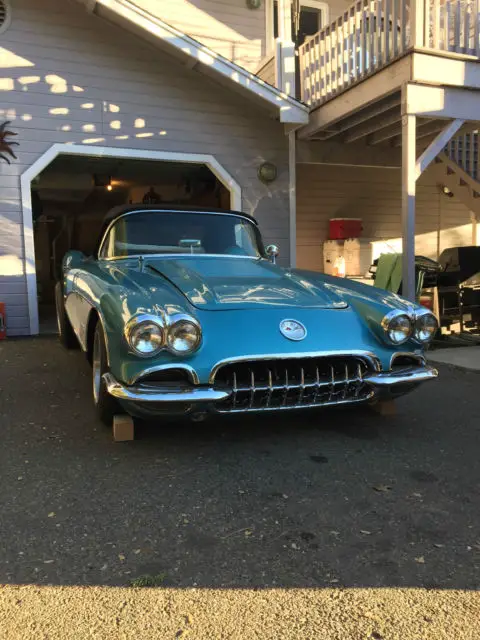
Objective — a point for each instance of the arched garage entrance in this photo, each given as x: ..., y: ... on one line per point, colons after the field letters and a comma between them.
x: 66, y: 192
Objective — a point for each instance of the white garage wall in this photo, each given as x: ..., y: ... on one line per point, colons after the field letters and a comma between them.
x: 68, y: 77
x: 325, y: 192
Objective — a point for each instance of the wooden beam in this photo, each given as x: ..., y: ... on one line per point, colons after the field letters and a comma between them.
x: 436, y: 69
x: 336, y: 153
x: 408, y: 206
x: 437, y: 146
x: 365, y: 115
x: 384, y: 134
x: 441, y: 102
x: 370, y: 91
x: 372, y: 126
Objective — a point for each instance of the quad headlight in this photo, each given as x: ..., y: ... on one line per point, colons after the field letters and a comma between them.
x: 426, y: 326
x: 398, y: 326
x: 184, y: 335
x: 145, y: 335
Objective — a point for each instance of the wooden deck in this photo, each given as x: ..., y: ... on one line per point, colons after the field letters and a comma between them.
x: 371, y: 34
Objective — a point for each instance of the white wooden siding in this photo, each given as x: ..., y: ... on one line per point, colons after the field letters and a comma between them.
x: 228, y: 27
x: 66, y: 76
x: 325, y: 192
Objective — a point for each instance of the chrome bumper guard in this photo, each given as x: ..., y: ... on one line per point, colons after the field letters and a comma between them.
x: 382, y: 383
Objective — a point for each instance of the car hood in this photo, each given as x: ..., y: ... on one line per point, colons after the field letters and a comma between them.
x: 219, y: 283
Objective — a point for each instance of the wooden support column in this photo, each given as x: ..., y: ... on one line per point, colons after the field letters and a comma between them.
x: 292, y: 192
x: 408, y: 205
x: 286, y: 48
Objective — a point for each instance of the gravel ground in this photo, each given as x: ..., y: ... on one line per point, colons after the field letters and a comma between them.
x: 316, y: 525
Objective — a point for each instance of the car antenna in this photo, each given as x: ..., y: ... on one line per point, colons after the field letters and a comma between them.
x: 141, y: 261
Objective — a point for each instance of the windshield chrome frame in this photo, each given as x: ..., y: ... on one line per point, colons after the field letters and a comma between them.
x: 160, y: 211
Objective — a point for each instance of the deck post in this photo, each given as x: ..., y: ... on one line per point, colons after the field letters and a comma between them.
x: 408, y: 205
x: 287, y: 48
x: 417, y: 23
x: 292, y: 190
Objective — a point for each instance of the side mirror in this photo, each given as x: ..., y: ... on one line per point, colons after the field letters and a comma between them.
x: 73, y: 259
x: 272, y: 252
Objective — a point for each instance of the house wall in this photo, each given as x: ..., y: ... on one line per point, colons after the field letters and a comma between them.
x: 66, y: 76
x: 327, y: 191
x: 228, y: 27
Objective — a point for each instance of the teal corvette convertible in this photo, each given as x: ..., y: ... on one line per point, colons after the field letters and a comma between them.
x: 184, y: 311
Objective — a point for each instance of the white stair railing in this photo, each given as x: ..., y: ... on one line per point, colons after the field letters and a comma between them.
x: 463, y: 150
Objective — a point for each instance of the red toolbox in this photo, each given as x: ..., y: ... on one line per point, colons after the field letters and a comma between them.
x: 343, y: 228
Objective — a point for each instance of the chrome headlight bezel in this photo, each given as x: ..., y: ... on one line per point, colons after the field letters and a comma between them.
x: 422, y: 315
x: 135, y: 324
x: 394, y: 316
x: 178, y: 322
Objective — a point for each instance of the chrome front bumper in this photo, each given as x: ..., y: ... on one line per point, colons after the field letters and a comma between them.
x: 383, y: 384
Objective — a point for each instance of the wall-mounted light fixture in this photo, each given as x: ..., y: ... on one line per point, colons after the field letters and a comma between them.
x: 446, y: 191
x: 254, y: 4
x: 267, y: 172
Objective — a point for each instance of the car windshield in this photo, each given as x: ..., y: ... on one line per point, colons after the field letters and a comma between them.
x: 157, y: 232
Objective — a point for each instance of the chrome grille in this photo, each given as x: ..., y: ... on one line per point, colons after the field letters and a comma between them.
x: 295, y: 383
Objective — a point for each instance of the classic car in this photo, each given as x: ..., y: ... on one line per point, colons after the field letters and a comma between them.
x: 184, y: 311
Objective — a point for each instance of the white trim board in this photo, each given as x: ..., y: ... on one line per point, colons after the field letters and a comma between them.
x: 290, y: 110
x: 107, y: 152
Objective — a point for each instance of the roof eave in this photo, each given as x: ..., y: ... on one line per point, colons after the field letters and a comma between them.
x: 290, y: 111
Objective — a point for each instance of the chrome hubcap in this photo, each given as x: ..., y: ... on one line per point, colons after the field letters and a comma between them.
x: 96, y: 368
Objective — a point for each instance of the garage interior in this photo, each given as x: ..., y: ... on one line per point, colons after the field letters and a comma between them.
x: 72, y: 195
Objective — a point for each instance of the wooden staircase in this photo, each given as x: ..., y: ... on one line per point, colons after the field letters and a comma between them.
x: 458, y: 171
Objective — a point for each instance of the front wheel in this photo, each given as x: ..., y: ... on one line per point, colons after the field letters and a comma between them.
x: 105, y: 405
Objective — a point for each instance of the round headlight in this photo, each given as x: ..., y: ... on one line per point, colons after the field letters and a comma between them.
x: 398, y: 327
x: 426, y: 326
x: 184, y: 336
x: 146, y: 338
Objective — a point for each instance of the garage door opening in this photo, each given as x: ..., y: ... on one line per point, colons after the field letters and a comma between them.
x: 71, y: 196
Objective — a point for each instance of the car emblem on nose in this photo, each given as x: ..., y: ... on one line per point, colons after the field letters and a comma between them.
x: 293, y: 330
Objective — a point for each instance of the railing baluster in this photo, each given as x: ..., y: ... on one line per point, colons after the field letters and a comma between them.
x: 458, y: 22
x: 343, y: 49
x: 386, y: 28
x: 364, y: 45
x: 476, y: 19
x: 334, y: 57
x: 436, y: 24
x: 395, y: 28
x: 466, y: 27
x: 426, y: 23
x: 323, y: 67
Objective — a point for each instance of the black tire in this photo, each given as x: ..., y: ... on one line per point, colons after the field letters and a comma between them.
x: 105, y: 404
x: 66, y: 334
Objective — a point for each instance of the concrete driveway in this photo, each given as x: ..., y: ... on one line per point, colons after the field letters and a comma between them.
x: 319, y: 525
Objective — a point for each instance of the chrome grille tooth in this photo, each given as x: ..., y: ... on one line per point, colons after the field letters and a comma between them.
x: 235, y: 390
x: 358, y: 384
x: 317, y: 385
x: 285, y: 389
x: 252, y: 388
x: 270, y: 387
x: 302, y: 386
x: 345, y: 386
x: 332, y: 383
